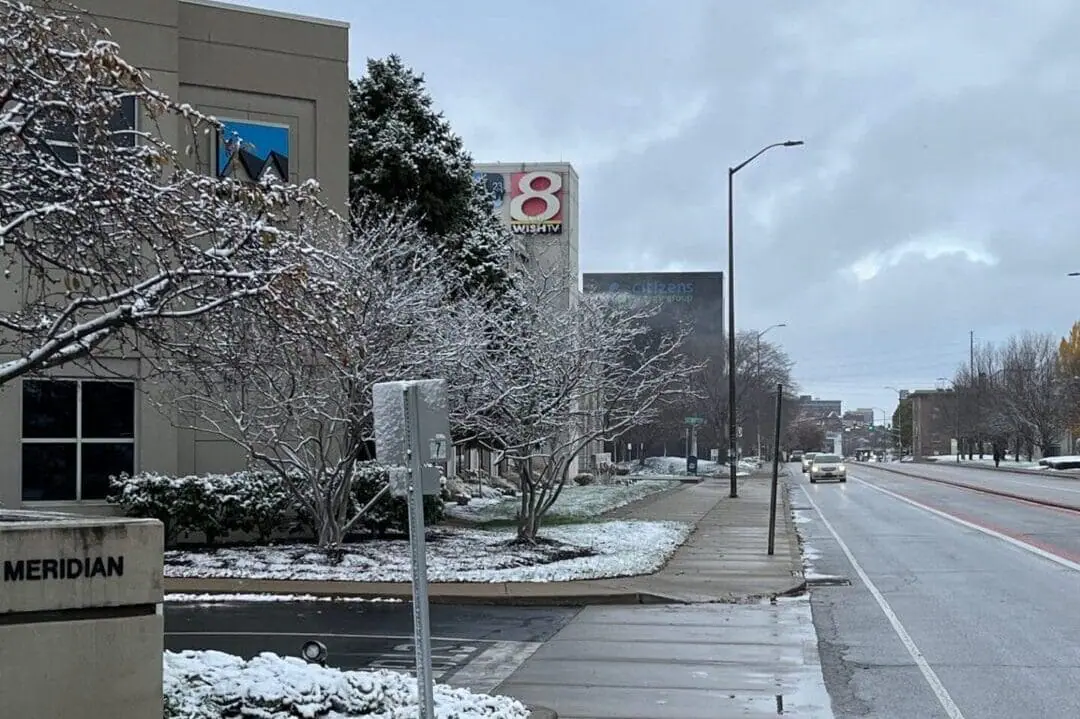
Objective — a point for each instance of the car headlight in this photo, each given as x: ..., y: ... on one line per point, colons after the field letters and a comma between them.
x: 841, y: 468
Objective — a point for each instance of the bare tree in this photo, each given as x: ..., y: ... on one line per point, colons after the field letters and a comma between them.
x: 1014, y: 393
x: 558, y: 378
x: 287, y: 376
x: 759, y: 366
x: 1034, y: 390
x: 104, y: 229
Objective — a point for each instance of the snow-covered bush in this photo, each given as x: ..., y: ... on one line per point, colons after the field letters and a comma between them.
x: 389, y: 514
x: 254, y: 503
x: 584, y: 479
x: 212, y: 685
x: 213, y: 505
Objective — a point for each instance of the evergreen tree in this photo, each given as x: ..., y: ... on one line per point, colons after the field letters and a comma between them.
x: 404, y: 157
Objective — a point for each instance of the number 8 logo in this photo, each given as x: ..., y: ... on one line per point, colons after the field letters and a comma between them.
x: 528, y: 195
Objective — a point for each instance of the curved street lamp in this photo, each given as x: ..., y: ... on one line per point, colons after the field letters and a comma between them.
x: 733, y: 439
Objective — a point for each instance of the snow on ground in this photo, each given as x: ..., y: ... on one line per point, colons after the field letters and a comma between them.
x: 210, y: 685
x: 574, y: 551
x: 676, y: 466
x: 182, y: 598
x: 573, y: 502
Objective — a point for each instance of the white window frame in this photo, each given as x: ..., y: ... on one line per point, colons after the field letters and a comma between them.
x: 78, y: 440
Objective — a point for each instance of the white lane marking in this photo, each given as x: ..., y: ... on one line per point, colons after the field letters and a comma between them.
x: 493, y: 666
x: 1037, y: 551
x: 942, y: 694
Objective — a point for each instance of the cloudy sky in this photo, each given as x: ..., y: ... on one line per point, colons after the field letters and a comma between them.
x: 935, y: 194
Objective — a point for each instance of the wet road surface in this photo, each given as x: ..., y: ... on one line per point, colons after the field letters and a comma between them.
x: 474, y: 647
x: 936, y: 601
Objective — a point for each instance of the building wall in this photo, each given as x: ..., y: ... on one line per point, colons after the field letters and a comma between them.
x: 696, y: 298
x: 933, y: 422
x: 279, y: 82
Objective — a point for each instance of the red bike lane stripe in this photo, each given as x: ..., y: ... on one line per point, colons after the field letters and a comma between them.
x: 1035, y: 501
x: 1025, y: 539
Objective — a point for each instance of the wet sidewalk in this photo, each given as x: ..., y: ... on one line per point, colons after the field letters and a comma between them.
x: 723, y: 560
x: 710, y: 661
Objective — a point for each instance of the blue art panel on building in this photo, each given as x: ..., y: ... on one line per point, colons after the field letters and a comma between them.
x: 250, y: 149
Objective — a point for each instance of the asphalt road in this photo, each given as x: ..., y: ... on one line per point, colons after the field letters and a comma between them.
x: 476, y: 647
x: 1063, y: 488
x: 961, y: 604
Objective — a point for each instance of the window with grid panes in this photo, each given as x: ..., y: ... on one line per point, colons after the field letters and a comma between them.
x: 75, y: 435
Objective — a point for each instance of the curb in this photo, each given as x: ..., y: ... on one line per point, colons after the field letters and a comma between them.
x: 987, y: 490
x: 1053, y: 474
x: 538, y: 712
x: 403, y: 591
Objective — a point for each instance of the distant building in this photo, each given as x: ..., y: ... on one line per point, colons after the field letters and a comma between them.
x: 933, y: 421
x: 861, y: 417
x: 693, y: 298
x: 820, y: 408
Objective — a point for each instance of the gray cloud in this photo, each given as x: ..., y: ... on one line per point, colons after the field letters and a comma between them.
x: 935, y: 193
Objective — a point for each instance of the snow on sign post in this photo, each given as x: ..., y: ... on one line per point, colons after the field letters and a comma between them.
x: 412, y: 438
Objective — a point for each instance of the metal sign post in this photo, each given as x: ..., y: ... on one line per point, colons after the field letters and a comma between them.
x: 412, y: 437
x: 775, y: 470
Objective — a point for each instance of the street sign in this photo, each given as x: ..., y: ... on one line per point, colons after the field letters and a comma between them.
x: 691, y: 465
x: 693, y: 421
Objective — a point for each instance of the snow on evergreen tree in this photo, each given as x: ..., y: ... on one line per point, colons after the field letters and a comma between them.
x: 404, y: 157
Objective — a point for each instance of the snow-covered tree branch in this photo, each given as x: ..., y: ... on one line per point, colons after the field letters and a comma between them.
x: 552, y: 379
x: 287, y: 375
x: 105, y: 229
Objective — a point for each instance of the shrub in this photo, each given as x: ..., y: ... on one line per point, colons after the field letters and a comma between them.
x: 584, y: 479
x: 389, y: 514
x: 257, y: 503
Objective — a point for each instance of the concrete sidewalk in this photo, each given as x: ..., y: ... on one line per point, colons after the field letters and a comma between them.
x: 679, y: 662
x: 723, y: 560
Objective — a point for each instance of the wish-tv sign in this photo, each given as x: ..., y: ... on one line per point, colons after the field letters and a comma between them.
x: 665, y: 286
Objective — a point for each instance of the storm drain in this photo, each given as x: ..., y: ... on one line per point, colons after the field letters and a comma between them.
x: 828, y: 581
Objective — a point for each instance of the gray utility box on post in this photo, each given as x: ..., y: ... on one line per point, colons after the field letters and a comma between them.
x: 81, y: 629
x: 411, y: 416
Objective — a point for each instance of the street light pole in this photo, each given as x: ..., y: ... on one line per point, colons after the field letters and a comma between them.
x: 757, y: 377
x: 733, y: 460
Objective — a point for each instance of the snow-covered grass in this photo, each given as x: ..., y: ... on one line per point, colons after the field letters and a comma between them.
x: 211, y: 685
x: 575, y: 551
x: 574, y: 503
x: 676, y: 467
x: 226, y: 598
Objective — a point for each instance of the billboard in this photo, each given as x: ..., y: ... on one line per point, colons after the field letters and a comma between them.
x: 696, y: 297
x: 534, y: 199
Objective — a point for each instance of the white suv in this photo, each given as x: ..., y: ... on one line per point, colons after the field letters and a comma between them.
x: 807, y: 460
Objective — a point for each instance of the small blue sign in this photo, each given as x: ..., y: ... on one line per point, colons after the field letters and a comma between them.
x: 251, y: 149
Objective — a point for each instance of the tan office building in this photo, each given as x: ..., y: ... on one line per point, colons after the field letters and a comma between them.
x: 278, y: 80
